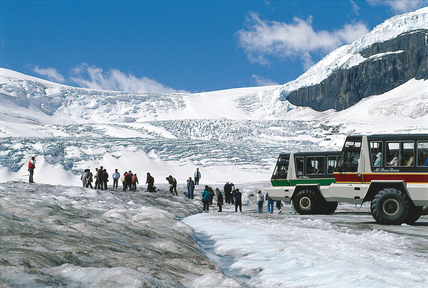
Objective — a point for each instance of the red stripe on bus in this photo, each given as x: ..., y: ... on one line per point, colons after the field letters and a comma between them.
x: 367, y: 178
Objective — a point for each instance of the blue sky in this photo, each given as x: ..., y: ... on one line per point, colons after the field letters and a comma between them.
x: 167, y: 46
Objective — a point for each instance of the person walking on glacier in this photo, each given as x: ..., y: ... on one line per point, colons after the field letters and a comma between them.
x: 83, y: 177
x: 150, y: 181
x: 172, y: 184
x: 134, y: 182
x: 227, y: 190
x: 96, y: 178
x: 190, y: 188
x: 100, y: 179
x: 238, y: 200
x: 197, y: 176
x: 269, y: 203
x: 206, y: 198
x: 116, y: 176
x: 105, y: 178
x: 232, y: 193
x: 31, y: 167
x: 128, y: 181
x: 219, y: 199
x: 89, y: 178
x: 260, y: 201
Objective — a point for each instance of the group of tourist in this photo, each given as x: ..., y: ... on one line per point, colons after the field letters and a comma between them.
x: 130, y: 180
x: 232, y: 196
x: 261, y: 199
x: 101, y: 177
x: 191, y: 184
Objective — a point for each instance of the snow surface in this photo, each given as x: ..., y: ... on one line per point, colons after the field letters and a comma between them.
x: 298, y: 251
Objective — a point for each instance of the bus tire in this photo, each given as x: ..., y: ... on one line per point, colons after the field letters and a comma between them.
x: 415, y: 213
x: 390, y: 206
x: 329, y: 207
x: 305, y: 202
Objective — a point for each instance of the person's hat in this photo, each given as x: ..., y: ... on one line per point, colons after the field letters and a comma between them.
x: 379, y: 154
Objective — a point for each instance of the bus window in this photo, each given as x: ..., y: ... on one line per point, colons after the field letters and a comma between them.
x: 299, y: 166
x: 315, y: 165
x: 400, y: 153
x: 408, y: 154
x: 376, y: 153
x: 422, y: 153
x: 392, y: 153
x: 331, y: 164
x: 352, y: 144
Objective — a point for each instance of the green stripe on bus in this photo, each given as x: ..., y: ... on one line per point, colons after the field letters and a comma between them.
x: 294, y: 182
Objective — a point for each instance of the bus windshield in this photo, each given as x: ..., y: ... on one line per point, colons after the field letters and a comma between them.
x: 281, y: 169
x: 348, y: 161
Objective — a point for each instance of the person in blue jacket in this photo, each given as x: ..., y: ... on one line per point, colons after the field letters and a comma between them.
x: 206, y: 198
x: 190, y: 188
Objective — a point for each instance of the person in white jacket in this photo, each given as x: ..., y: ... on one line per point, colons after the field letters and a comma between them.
x: 83, y: 177
x: 197, y: 176
x: 116, y: 176
x: 260, y: 199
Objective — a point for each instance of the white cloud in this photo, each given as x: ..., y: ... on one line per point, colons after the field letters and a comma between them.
x: 261, y: 81
x: 94, y: 78
x: 355, y: 8
x: 306, y: 61
x: 297, y: 39
x: 51, y: 73
x: 402, y: 6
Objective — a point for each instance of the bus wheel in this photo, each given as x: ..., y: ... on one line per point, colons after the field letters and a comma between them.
x: 329, y: 207
x: 305, y: 202
x: 415, y: 213
x: 390, y: 206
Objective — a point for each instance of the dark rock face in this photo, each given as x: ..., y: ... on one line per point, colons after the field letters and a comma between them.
x: 406, y: 58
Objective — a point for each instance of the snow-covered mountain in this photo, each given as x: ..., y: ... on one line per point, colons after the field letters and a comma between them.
x: 232, y: 135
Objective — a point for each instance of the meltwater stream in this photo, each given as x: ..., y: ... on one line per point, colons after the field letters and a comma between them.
x: 224, y: 261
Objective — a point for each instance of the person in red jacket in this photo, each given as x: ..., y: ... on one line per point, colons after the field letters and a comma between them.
x: 31, y: 167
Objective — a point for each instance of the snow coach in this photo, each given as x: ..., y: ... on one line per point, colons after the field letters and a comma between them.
x: 390, y: 171
x: 301, y: 177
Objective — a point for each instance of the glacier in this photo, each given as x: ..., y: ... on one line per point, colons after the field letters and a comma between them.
x: 55, y: 233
